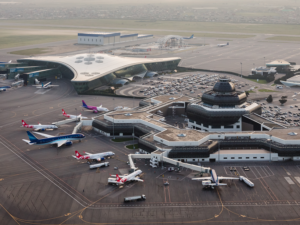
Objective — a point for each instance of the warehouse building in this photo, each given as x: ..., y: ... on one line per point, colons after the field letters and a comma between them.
x: 104, y: 38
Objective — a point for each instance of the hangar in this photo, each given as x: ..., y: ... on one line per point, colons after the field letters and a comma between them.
x: 90, y: 71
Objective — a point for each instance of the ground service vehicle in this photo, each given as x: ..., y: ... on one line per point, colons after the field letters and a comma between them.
x: 135, y: 198
x: 98, y: 165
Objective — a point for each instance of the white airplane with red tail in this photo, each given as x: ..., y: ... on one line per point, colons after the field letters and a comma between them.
x: 126, y: 178
x: 38, y: 127
x: 72, y: 116
x: 98, y: 157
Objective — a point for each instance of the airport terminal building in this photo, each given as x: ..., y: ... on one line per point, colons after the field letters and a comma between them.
x: 89, y: 71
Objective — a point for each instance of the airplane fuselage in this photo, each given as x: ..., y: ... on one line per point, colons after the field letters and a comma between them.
x: 53, y: 140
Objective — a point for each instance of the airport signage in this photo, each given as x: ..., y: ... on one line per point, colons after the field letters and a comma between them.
x: 2, y: 65
x: 33, y: 75
x: 14, y: 70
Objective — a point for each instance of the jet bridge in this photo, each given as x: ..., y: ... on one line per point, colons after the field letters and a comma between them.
x: 67, y: 121
x: 167, y: 160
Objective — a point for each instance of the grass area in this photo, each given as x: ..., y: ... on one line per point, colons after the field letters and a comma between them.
x: 273, y: 84
x: 284, y: 38
x: 122, y: 139
x: 33, y: 51
x: 136, y: 146
x: 266, y: 90
x: 164, y: 26
x: 259, y: 81
x: 251, y: 91
x: 23, y: 40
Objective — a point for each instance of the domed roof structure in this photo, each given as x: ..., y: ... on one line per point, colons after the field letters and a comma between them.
x: 224, y: 85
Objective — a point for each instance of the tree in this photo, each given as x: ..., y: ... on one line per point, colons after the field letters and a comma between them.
x: 282, y: 101
x: 270, y: 99
x: 247, y: 93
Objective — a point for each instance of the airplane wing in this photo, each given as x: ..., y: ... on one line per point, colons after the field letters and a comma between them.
x: 60, y: 143
x: 74, y: 157
x: 202, y: 178
x: 52, y: 85
x: 137, y: 179
x: 27, y: 141
x: 228, y: 178
x: 45, y: 135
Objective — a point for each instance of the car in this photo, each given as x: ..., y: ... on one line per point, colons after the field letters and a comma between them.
x: 291, y: 106
x: 246, y: 168
x: 296, y: 106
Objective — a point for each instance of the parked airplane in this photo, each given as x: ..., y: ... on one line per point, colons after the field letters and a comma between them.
x: 48, y: 85
x: 72, y: 116
x: 222, y: 45
x: 98, y: 157
x: 38, y: 127
x: 4, y: 88
x: 59, y: 140
x: 94, y: 108
x: 214, y: 179
x: 122, y: 179
x: 191, y: 37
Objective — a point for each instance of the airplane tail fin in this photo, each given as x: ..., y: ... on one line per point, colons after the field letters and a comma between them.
x: 227, y: 43
x: 64, y: 113
x: 83, y: 104
x: 192, y: 36
x: 77, y: 154
x: 118, y: 178
x: 31, y: 136
x: 24, y: 123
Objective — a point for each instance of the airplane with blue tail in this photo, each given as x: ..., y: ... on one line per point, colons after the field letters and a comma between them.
x: 59, y: 140
x: 214, y: 179
x: 4, y: 88
x: 48, y: 85
x: 191, y: 37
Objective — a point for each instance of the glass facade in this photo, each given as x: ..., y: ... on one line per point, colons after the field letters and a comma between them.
x: 114, y: 78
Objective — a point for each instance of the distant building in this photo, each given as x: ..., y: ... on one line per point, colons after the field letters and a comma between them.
x: 264, y: 70
x: 104, y: 38
x: 281, y: 65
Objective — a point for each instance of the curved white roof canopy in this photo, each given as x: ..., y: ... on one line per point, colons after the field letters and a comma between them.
x: 87, y: 67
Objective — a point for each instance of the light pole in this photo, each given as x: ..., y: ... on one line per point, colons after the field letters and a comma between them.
x: 264, y: 61
x: 219, y: 136
x: 270, y: 141
x: 114, y: 121
x: 133, y: 138
x: 241, y: 69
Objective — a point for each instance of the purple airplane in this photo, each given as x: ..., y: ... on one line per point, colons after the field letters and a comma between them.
x: 94, y: 108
